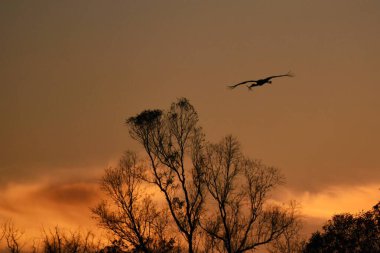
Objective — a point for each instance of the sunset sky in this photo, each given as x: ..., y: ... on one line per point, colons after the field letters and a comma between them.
x: 71, y: 72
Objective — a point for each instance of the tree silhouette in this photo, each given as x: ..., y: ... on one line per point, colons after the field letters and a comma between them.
x: 57, y: 240
x: 133, y: 217
x: 52, y: 241
x: 290, y: 241
x: 12, y: 236
x: 348, y: 233
x: 173, y: 143
x: 239, y: 188
x: 214, y: 196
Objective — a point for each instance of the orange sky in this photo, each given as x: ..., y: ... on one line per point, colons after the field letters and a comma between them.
x: 72, y: 72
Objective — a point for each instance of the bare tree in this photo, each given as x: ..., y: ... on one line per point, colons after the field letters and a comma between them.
x: 71, y: 242
x: 132, y: 217
x: 173, y: 142
x: 12, y: 236
x: 290, y: 241
x: 239, y: 188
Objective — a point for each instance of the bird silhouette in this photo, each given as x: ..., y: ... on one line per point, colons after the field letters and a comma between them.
x: 259, y: 82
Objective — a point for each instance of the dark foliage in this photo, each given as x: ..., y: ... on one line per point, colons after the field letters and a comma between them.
x: 147, y: 117
x: 348, y: 233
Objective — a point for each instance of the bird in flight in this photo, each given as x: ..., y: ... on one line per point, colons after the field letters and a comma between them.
x: 259, y: 82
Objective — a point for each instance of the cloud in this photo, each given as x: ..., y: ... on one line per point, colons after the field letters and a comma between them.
x: 318, y: 206
x: 28, y: 174
x: 315, y: 179
x: 66, y: 201
x: 71, y: 193
x: 47, y: 203
x: 332, y: 200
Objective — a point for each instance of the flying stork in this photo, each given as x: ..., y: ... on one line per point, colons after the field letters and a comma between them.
x: 260, y: 82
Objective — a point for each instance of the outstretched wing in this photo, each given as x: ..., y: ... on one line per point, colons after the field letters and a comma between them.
x: 236, y: 85
x: 289, y: 74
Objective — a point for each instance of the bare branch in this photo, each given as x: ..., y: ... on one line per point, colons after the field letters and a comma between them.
x: 132, y: 216
x: 239, y: 187
x: 12, y: 236
x: 169, y: 138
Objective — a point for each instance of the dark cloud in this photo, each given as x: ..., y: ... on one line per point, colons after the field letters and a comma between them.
x: 32, y: 174
x: 315, y: 181
x: 68, y: 193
